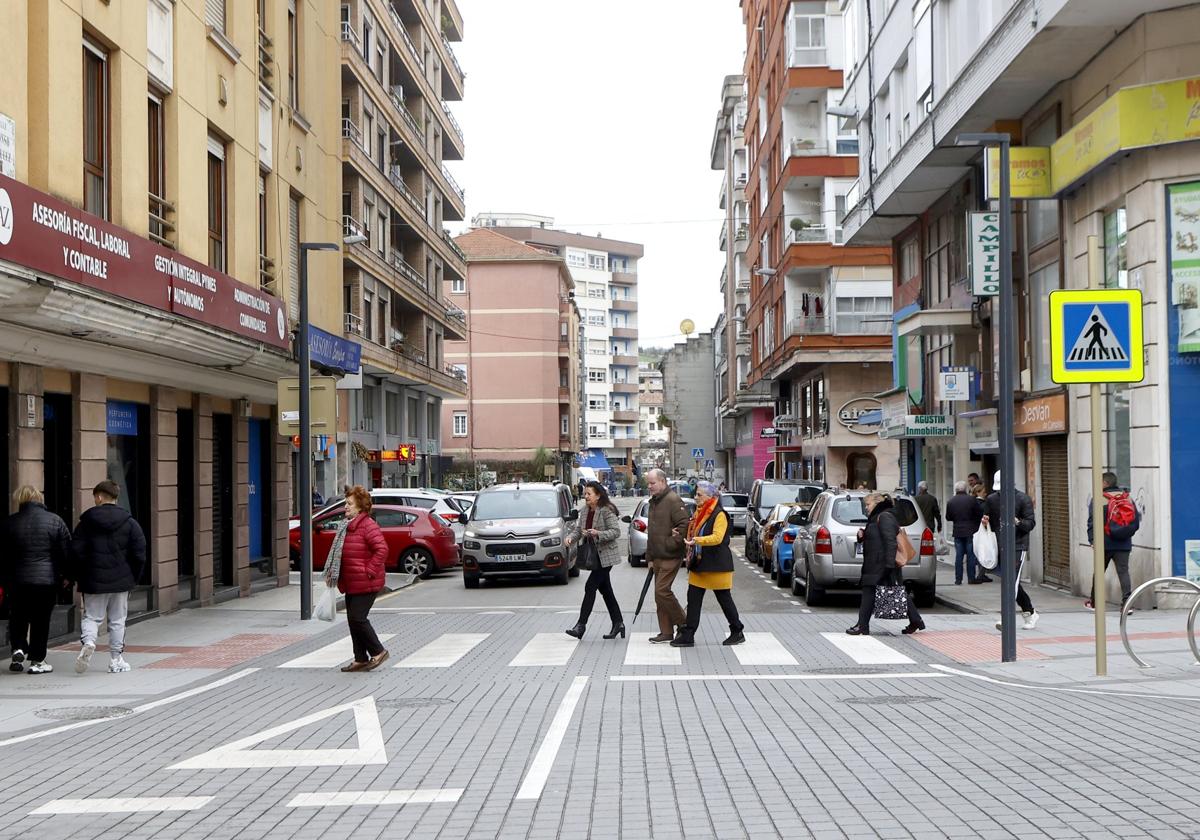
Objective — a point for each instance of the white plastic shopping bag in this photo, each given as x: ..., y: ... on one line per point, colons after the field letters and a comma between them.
x: 326, y: 609
x: 986, y: 550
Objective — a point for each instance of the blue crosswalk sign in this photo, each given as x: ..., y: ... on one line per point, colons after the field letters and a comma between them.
x: 1096, y: 335
x: 697, y: 453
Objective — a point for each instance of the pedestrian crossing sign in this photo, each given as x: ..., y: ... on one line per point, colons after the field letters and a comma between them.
x: 1096, y: 336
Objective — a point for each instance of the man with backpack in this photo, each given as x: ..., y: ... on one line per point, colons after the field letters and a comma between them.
x: 1121, y: 521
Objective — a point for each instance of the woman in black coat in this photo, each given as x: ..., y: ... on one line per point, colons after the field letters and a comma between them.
x: 36, y: 542
x: 879, y: 562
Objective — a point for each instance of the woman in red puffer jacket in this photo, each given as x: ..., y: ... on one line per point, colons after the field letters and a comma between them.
x: 356, y: 564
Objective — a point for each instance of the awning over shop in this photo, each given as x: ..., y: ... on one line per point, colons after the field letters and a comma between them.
x: 594, y: 458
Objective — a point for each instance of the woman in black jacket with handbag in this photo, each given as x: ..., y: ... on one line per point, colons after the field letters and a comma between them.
x: 879, y: 563
x: 36, y: 544
x: 596, y: 531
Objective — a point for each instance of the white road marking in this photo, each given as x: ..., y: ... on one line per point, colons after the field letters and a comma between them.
x: 443, y: 651
x: 543, y: 761
x: 145, y: 707
x: 417, y: 610
x: 497, y: 612
x: 866, y: 651
x: 370, y: 748
x: 123, y: 805
x: 900, y: 675
x: 348, y: 798
x: 546, y: 649
x: 332, y: 655
x: 763, y: 649
x: 957, y: 673
x: 640, y: 651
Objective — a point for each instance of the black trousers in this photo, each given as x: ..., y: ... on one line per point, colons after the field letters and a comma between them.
x: 1023, y: 600
x: 866, y: 608
x: 362, y: 634
x: 29, y: 612
x: 599, y: 579
x: 695, y: 600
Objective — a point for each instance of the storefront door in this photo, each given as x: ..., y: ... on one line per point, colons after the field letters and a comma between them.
x: 1054, y: 512
x: 58, y: 458
x: 128, y: 464
x: 259, y: 496
x: 185, y: 521
x: 222, y: 501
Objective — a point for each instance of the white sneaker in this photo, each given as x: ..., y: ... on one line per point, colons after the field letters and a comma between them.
x: 41, y: 668
x: 1031, y: 620
x: 119, y: 666
x: 84, y: 659
x: 18, y: 657
x: 999, y: 625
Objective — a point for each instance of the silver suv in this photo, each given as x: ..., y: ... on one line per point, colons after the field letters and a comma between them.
x: 517, y: 530
x: 829, y: 548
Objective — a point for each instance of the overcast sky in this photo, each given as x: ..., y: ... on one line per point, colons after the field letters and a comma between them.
x: 601, y: 115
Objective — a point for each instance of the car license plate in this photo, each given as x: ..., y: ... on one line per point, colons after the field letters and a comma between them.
x: 858, y: 549
x: 511, y: 558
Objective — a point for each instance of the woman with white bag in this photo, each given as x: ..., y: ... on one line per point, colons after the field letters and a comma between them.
x: 356, y: 566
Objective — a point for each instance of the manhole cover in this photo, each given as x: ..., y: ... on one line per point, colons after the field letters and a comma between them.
x: 415, y: 702
x: 891, y: 700
x: 83, y: 712
x: 848, y: 669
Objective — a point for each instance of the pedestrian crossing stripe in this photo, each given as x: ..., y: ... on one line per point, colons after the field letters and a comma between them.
x: 1096, y: 336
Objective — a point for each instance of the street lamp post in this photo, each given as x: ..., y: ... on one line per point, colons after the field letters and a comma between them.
x: 1008, y: 535
x: 305, y: 489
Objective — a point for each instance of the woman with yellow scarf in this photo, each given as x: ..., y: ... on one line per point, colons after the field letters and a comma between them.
x: 710, y: 566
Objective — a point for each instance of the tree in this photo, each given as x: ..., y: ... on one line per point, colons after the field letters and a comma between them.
x: 542, y: 458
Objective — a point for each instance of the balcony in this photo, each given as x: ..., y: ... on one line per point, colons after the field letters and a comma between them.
x: 723, y: 238
x: 810, y: 233
x: 353, y: 324
x: 625, y: 361
x: 454, y: 145
x: 624, y: 416
x: 266, y: 275
x: 624, y: 388
x: 407, y: 364
x: 624, y: 332
x: 458, y: 77
x: 454, y: 246
x: 624, y: 278
x: 624, y: 305
x: 564, y: 394
x: 626, y: 442
x: 160, y: 229
x: 454, y: 184
x: 452, y: 22
x: 351, y: 132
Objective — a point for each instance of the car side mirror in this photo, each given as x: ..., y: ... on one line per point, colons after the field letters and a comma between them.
x: 462, y: 519
x: 626, y: 518
x: 573, y: 515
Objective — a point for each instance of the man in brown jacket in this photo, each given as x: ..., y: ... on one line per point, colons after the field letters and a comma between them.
x: 665, y: 550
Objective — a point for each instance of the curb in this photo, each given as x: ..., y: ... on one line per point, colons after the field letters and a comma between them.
x: 957, y: 606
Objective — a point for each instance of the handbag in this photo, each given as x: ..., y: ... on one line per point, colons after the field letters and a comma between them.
x: 588, y: 557
x: 891, y: 601
x: 986, y: 550
x: 326, y: 609
x: 904, y: 549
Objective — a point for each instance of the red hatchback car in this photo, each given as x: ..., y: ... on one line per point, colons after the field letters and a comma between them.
x: 419, y: 541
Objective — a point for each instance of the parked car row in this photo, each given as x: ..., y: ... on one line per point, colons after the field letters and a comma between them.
x: 638, y: 523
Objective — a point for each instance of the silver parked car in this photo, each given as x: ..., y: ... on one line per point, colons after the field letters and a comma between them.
x: 517, y: 530
x: 638, y: 522
x: 829, y: 552
x: 735, y: 505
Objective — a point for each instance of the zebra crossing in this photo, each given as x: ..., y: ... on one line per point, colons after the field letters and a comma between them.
x: 556, y: 649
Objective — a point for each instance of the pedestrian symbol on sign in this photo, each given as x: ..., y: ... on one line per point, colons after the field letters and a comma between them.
x: 697, y: 453
x: 1096, y: 342
x: 1096, y: 336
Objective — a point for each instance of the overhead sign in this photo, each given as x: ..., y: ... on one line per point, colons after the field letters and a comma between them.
x: 1041, y: 416
x: 697, y: 453
x: 47, y: 235
x: 1028, y: 172
x: 983, y: 255
x: 710, y: 464
x: 333, y: 351
x: 769, y: 432
x: 956, y: 384
x: 1096, y: 336
x: 852, y: 410
x: 121, y: 418
x: 919, y: 426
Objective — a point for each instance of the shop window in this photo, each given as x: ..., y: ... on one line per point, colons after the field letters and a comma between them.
x: 1116, y: 274
x: 1116, y: 407
x: 860, y: 470
x: 95, y: 130
x: 1041, y: 284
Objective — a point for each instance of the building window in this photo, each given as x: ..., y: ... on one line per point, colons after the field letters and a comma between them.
x: 294, y: 257
x: 431, y: 421
x: 214, y: 14
x: 595, y: 292
x: 265, y: 267
x: 1041, y: 284
x: 808, y: 40
x: 95, y: 130
x: 217, y: 215
x: 156, y: 167
x: 413, y: 420
x: 460, y: 424
x: 458, y: 285
x: 576, y: 259
x: 597, y: 261
x: 564, y: 425
x: 1116, y: 408
x: 391, y: 403
x: 863, y: 315
x: 1116, y: 273
x: 597, y: 375
x: 293, y: 56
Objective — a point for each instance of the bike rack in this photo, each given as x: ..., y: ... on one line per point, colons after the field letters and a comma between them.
x: 1191, y: 622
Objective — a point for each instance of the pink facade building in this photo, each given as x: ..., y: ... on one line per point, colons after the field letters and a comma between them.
x: 521, y: 359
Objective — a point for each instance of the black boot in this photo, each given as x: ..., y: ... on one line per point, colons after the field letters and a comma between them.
x: 577, y: 630
x: 684, y: 638
x: 736, y: 636
x: 618, y: 627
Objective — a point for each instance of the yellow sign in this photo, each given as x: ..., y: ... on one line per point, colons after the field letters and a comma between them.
x: 1096, y: 336
x: 1028, y: 172
x: 1087, y: 145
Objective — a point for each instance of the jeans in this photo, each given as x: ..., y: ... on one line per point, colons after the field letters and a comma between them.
x: 670, y: 611
x: 866, y: 608
x: 1120, y: 559
x: 362, y: 634
x: 98, y: 606
x: 599, y: 579
x: 965, y: 547
x: 29, y: 611
x: 695, y: 600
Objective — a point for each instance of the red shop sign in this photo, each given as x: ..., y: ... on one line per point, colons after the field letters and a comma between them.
x: 48, y: 235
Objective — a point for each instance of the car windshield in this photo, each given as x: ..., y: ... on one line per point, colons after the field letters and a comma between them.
x: 773, y: 494
x: 516, y: 504
x: 851, y: 511
x: 734, y: 500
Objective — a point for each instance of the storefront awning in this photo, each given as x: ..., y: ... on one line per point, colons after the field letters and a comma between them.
x: 594, y: 458
x: 933, y: 321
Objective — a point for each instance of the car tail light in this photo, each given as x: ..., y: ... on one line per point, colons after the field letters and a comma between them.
x: 824, y: 542
x: 789, y: 537
x: 450, y: 517
x: 639, y: 525
x: 927, y: 547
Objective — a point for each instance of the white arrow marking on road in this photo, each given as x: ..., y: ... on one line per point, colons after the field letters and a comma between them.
x: 543, y: 762
x: 123, y: 805
x: 347, y: 798
x: 546, y: 649
x: 237, y: 754
x: 640, y: 651
x: 443, y: 651
x: 763, y: 649
x: 866, y: 651
x: 331, y: 655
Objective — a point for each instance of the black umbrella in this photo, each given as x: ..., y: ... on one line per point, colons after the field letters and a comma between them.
x: 642, y: 597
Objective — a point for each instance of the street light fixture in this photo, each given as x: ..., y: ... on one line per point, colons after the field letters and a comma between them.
x: 1008, y: 537
x: 305, y: 489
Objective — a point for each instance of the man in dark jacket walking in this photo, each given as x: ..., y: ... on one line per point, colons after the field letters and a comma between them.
x: 929, y: 507
x: 109, y: 551
x: 33, y: 571
x: 1025, y: 522
x: 666, y: 529
x: 1118, y: 537
x: 964, y: 515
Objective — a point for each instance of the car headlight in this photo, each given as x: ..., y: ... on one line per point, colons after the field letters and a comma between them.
x: 469, y: 534
x: 471, y: 544
x: 550, y: 542
x: 556, y: 531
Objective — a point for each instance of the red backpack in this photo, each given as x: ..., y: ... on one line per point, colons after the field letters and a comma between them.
x: 1121, y: 514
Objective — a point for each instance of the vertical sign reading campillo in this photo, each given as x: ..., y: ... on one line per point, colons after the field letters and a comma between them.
x: 983, y: 236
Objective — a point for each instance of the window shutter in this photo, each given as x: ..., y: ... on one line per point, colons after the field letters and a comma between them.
x: 294, y: 251
x: 214, y: 14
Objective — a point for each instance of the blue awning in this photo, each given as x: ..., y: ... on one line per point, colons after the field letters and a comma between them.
x: 595, y: 459
x: 870, y: 418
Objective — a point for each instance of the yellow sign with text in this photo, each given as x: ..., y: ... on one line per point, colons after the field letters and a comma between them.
x: 1028, y: 172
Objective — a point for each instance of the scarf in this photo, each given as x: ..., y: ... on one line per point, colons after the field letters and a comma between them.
x: 702, y: 513
x: 333, y: 563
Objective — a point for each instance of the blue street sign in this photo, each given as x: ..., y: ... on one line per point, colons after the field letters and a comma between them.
x: 710, y: 464
x: 332, y: 351
x: 1096, y: 335
x: 697, y: 453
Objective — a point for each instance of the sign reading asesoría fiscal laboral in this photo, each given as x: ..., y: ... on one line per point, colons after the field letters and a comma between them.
x: 1096, y: 336
x: 983, y: 255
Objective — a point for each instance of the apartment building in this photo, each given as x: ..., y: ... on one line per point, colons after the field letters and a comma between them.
x: 1099, y: 95
x: 159, y: 164
x: 654, y: 436
x: 521, y: 361
x: 819, y: 309
x: 605, y: 275
x: 398, y: 71
x: 689, y: 405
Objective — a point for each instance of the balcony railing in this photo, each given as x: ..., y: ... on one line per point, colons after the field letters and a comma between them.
x: 398, y: 182
x: 352, y: 227
x: 743, y: 232
x: 456, y: 313
x: 809, y: 57
x: 404, y: 36
x: 740, y: 181
x: 454, y: 184
x: 266, y: 274
x: 350, y: 36
x: 845, y: 324
x: 266, y: 58
x: 818, y: 233
x: 159, y: 226
x: 453, y: 58
x: 453, y: 123
x: 453, y: 245
x: 408, y: 115
x: 400, y: 264
x: 353, y: 324
x: 350, y: 131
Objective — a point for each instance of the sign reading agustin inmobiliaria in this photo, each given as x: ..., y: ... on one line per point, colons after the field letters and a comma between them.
x: 50, y: 236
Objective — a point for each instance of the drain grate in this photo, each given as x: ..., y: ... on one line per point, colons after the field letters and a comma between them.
x: 415, y: 702
x: 83, y: 712
x: 892, y: 700
x: 848, y: 669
